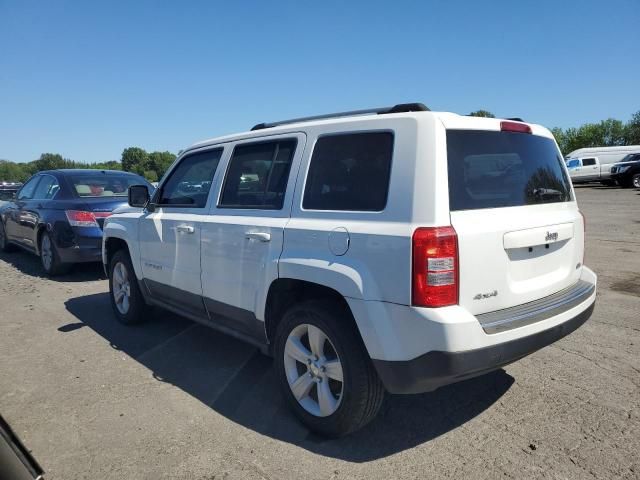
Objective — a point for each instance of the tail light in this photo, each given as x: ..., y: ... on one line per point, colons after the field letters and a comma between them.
x: 515, y: 127
x: 79, y: 218
x: 435, y: 267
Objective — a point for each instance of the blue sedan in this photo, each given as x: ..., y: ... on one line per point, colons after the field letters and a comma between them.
x: 58, y: 215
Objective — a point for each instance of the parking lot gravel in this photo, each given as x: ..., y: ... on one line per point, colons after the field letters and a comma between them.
x: 172, y: 399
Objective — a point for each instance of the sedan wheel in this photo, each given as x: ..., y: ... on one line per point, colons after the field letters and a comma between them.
x: 313, y: 370
x: 636, y: 180
x: 46, y: 253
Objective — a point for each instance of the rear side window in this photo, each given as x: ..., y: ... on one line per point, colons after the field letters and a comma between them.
x: 47, y: 188
x: 503, y: 169
x: 587, y: 162
x: 103, y: 184
x: 257, y: 175
x: 350, y: 172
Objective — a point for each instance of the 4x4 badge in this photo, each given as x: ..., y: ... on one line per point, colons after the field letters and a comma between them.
x: 482, y: 296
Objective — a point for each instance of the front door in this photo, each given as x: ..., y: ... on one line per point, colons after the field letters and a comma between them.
x: 170, y: 234
x: 18, y: 220
x: 242, y: 240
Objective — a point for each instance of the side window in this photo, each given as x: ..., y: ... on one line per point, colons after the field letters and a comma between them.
x: 47, y: 188
x: 587, y: 162
x: 26, y: 192
x: 573, y: 163
x: 257, y: 175
x: 190, y: 182
x: 350, y: 172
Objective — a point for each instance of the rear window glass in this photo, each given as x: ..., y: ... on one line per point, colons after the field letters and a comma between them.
x: 104, y: 184
x: 503, y: 169
x: 350, y: 172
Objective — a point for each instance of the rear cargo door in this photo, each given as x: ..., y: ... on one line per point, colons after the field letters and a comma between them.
x: 520, y: 235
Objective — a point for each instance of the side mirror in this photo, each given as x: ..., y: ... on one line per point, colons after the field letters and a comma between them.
x: 138, y: 196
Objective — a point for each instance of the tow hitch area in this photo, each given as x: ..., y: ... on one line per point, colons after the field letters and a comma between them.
x: 16, y: 463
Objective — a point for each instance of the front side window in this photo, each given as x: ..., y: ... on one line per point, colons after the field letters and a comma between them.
x: 350, y: 172
x: 573, y: 163
x: 26, y: 192
x: 190, y: 182
x: 47, y: 188
x: 257, y: 175
x: 489, y: 169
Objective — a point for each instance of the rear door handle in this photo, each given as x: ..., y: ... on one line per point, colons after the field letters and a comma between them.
x: 185, y: 229
x: 262, y: 236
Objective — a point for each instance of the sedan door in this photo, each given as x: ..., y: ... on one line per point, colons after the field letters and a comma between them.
x: 17, y: 218
x: 170, y: 232
x: 243, y: 238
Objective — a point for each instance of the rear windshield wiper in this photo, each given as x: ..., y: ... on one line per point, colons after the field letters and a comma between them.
x: 546, y: 192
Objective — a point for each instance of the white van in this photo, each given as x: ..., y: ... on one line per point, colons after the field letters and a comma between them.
x: 594, y: 164
x: 392, y: 249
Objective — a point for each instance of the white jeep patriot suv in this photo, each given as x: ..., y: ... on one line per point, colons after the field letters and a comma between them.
x: 393, y: 249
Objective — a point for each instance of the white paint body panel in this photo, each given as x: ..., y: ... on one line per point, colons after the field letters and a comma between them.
x: 369, y: 260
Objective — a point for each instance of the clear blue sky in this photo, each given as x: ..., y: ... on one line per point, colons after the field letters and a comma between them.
x: 87, y: 79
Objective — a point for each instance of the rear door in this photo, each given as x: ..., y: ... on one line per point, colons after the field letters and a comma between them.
x: 242, y: 240
x: 170, y: 234
x: 520, y: 234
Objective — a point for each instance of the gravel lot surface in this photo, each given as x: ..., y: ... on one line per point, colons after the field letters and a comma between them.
x: 172, y: 399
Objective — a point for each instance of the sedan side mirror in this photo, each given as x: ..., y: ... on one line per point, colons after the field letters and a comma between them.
x: 138, y: 196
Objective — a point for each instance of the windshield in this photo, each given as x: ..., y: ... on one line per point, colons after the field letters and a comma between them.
x: 105, y: 184
x: 490, y: 169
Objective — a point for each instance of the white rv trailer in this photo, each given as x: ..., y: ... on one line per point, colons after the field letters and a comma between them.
x: 594, y: 164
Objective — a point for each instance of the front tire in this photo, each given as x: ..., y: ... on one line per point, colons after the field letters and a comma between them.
x: 49, y: 257
x: 324, y: 370
x: 635, y: 180
x: 127, y: 302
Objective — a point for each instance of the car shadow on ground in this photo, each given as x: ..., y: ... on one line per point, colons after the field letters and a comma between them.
x: 29, y: 264
x: 237, y: 381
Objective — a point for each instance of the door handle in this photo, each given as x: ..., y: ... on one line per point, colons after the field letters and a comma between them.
x: 185, y: 229
x: 262, y: 236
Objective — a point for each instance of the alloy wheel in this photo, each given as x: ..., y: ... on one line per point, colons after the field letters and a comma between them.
x: 121, y: 288
x: 313, y: 370
x: 46, y: 252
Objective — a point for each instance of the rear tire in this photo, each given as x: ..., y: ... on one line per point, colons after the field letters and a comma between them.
x: 5, y: 245
x: 312, y: 368
x: 127, y: 301
x: 49, y: 257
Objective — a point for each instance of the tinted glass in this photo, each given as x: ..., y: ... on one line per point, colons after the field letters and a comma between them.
x: 503, y: 169
x: 573, y: 163
x: 101, y: 184
x: 587, y: 162
x: 190, y: 182
x: 47, y: 188
x: 257, y: 175
x: 350, y: 172
x: 28, y: 189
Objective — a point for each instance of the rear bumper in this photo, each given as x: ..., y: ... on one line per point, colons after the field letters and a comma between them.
x: 435, y: 369
x: 83, y: 249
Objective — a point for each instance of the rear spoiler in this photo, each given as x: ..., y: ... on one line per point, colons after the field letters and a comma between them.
x: 16, y: 463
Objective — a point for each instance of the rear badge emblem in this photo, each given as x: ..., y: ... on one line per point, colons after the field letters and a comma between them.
x: 551, y: 236
x: 482, y: 296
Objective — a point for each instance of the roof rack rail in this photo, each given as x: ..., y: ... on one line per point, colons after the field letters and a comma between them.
x: 400, y: 108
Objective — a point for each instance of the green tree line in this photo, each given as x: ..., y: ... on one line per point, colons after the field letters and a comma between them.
x: 606, y: 133
x: 151, y: 165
